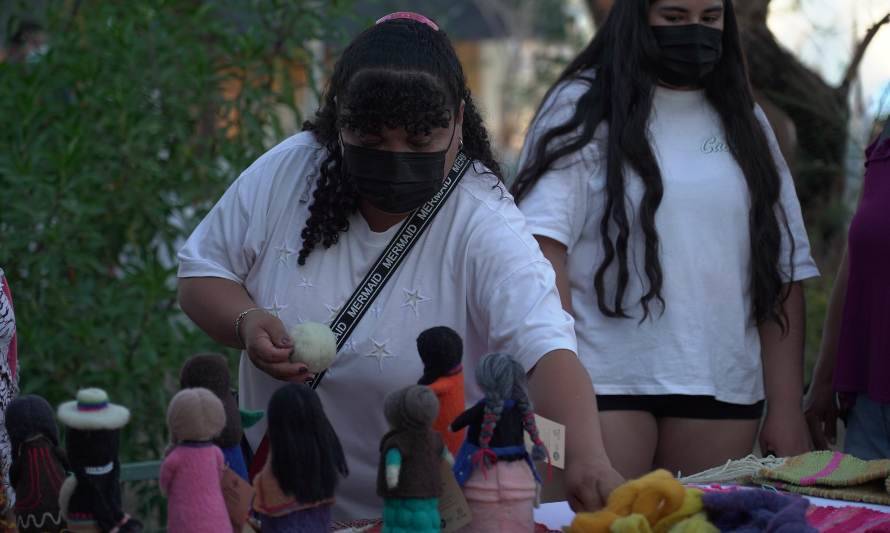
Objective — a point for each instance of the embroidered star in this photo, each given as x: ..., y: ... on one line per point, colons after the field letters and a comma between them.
x: 334, y: 311
x: 412, y: 298
x: 377, y: 310
x: 304, y: 283
x: 284, y: 253
x: 276, y: 308
x: 380, y: 352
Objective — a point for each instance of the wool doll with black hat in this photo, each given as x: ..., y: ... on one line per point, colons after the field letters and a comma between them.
x: 496, y: 472
x: 441, y: 350
x: 90, y: 499
x: 38, y: 464
x: 211, y: 372
x: 409, y: 476
x: 193, y: 466
x: 294, y: 491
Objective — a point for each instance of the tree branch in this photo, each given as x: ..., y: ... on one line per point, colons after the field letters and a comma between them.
x: 858, y: 54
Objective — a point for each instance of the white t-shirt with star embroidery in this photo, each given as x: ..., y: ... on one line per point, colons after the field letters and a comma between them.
x: 476, y: 269
x: 705, y: 343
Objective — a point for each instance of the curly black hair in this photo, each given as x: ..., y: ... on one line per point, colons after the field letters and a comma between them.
x: 396, y: 74
x: 624, y: 54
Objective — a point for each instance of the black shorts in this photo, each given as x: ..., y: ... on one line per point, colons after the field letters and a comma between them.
x: 681, y: 406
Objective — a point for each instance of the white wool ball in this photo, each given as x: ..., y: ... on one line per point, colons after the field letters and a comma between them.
x: 314, y: 345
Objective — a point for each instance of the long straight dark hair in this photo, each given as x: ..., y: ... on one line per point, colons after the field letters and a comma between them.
x: 398, y: 73
x: 624, y: 55
x: 305, y: 452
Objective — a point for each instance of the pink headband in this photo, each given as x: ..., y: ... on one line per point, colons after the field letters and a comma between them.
x: 409, y: 15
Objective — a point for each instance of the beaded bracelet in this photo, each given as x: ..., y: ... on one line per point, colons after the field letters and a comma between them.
x: 238, y: 325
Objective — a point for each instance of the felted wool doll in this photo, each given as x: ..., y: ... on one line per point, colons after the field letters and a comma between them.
x: 295, y: 489
x: 90, y: 499
x: 38, y: 464
x: 493, y: 467
x: 211, y: 372
x: 314, y: 345
x: 441, y: 350
x: 192, y: 469
x: 409, y: 476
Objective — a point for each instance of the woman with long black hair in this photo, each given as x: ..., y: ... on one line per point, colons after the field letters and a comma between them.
x: 295, y: 235
x: 656, y: 189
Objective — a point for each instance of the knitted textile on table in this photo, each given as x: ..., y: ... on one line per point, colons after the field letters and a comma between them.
x: 831, y: 475
x: 752, y: 511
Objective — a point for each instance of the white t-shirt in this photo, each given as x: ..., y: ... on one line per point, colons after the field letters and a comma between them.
x: 706, y: 342
x: 477, y: 269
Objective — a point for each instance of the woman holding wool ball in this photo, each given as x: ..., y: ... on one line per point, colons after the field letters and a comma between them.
x: 396, y: 154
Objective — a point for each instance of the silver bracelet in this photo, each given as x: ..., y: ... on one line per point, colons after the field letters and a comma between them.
x: 238, y: 325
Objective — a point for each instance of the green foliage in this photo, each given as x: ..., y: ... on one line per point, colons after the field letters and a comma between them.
x: 114, y: 144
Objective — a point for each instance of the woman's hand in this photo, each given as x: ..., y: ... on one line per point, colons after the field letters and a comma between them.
x: 269, y: 347
x: 821, y: 412
x: 785, y: 432
x: 588, y: 484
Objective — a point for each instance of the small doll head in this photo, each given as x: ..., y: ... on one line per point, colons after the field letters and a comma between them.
x: 211, y: 371
x: 195, y: 414
x: 441, y: 350
x: 305, y: 453
x: 411, y: 408
x: 502, y: 378
x: 30, y: 416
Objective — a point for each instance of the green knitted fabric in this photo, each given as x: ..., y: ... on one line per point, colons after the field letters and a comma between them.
x: 411, y: 515
x: 831, y: 475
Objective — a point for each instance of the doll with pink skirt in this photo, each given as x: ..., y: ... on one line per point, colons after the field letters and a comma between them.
x: 192, y: 469
x: 494, y: 469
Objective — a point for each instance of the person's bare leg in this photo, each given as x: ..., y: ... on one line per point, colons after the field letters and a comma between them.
x: 630, y: 438
x: 688, y: 446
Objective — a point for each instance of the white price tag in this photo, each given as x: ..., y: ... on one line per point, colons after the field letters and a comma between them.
x: 553, y: 435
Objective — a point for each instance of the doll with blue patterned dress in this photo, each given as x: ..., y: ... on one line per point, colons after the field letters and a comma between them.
x: 497, y: 474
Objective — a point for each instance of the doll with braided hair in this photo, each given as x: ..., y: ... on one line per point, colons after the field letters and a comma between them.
x: 496, y: 472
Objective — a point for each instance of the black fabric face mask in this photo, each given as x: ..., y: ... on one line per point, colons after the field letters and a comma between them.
x: 688, y: 53
x: 395, y: 182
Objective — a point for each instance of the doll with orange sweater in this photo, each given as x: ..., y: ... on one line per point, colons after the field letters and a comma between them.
x: 192, y: 470
x: 441, y: 350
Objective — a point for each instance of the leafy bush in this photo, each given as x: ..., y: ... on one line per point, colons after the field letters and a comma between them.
x: 114, y: 144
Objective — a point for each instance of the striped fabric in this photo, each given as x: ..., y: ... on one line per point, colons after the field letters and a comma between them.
x: 831, y: 475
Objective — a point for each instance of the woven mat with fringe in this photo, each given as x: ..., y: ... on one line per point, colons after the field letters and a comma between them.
x: 824, y: 474
x: 831, y: 475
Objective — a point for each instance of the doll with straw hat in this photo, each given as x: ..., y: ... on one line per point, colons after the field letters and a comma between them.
x: 90, y: 499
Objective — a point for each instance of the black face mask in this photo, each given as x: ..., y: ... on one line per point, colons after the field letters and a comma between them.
x: 395, y: 182
x: 688, y: 53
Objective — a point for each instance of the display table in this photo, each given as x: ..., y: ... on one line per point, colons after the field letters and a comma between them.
x: 558, y: 514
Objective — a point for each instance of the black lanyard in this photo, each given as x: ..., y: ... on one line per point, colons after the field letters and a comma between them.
x: 393, y: 255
